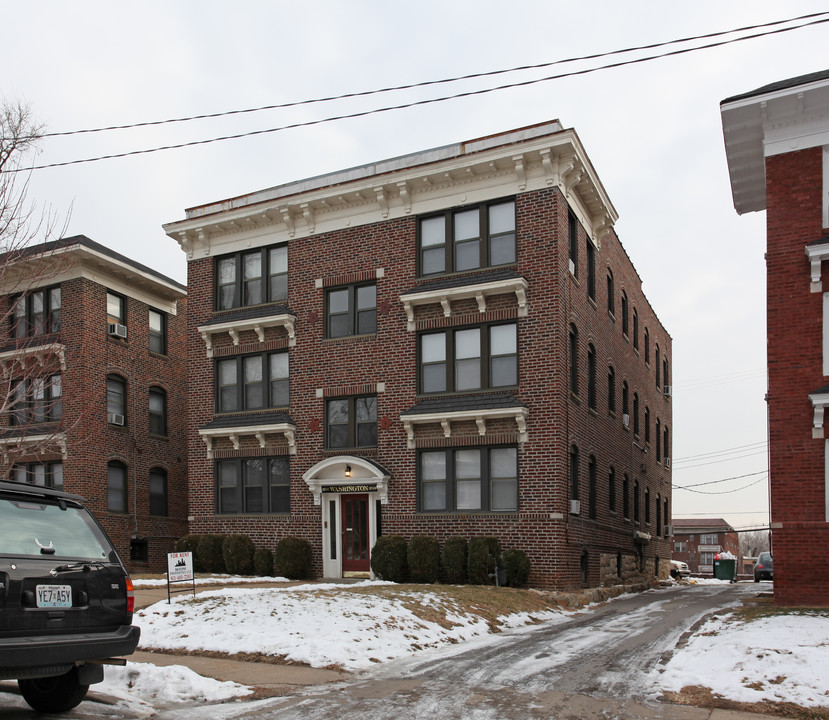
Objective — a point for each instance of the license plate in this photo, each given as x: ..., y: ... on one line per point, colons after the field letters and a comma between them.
x: 53, y: 596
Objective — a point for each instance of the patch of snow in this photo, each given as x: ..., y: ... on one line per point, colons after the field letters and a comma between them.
x: 209, y: 580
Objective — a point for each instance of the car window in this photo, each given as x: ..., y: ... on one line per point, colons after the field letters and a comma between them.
x: 37, y: 528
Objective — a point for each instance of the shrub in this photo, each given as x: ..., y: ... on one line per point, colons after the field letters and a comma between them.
x: 388, y: 558
x: 424, y: 559
x: 209, y: 553
x: 517, y: 567
x: 237, y: 551
x: 292, y: 558
x: 455, y: 559
x: 483, y: 555
x: 263, y: 562
x: 189, y: 543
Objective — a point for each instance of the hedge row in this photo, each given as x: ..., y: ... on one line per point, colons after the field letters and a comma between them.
x: 475, y: 561
x: 237, y: 555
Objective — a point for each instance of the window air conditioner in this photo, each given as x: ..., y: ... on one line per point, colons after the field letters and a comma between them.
x: 667, y: 391
x: 575, y: 507
x: 118, y: 330
x: 572, y: 267
x: 625, y: 419
x: 669, y: 530
x: 667, y: 462
x: 115, y: 419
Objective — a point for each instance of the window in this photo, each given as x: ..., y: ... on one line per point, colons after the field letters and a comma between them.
x: 36, y: 313
x: 574, y: 473
x: 636, y: 501
x: 658, y: 440
x: 573, y: 234
x: 469, y: 359
x: 658, y: 366
x: 158, y: 332
x: 463, y: 479
x: 706, y: 558
x: 253, y: 485
x: 625, y: 399
x: 611, y: 299
x: 467, y: 239
x: 252, y: 382
x: 158, y: 492
x: 626, y: 497
x: 647, y: 347
x: 611, y: 390
x: 116, y: 309
x: 574, y: 360
x: 625, y: 327
x: 665, y: 379
x: 158, y: 411
x: 252, y: 278
x: 36, y: 400
x: 351, y: 311
x: 680, y: 546
x: 591, y: 488
x: 43, y: 474
x: 709, y: 539
x: 351, y: 422
x: 611, y: 490
x: 658, y: 508
x: 591, y: 270
x: 647, y: 424
x: 591, y: 377
x: 665, y: 444
x: 116, y: 400
x: 647, y: 505
x: 636, y: 414
x: 117, y: 487
x: 665, y: 515
x: 635, y: 329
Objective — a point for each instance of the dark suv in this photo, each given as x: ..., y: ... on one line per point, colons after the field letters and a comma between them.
x: 66, y: 601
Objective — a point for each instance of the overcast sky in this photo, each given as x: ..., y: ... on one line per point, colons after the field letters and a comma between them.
x: 652, y: 130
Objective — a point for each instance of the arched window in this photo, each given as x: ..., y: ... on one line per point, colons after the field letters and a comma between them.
x: 625, y: 328
x: 158, y: 492
x: 116, y: 400
x: 658, y: 366
x: 636, y: 501
x: 666, y: 452
x: 574, y: 473
x: 665, y: 379
x: 636, y: 414
x: 611, y: 390
x: 647, y: 347
x: 611, y: 299
x: 658, y: 439
x: 158, y: 411
x: 574, y: 360
x: 626, y: 496
x: 647, y: 505
x: 591, y: 377
x: 625, y: 402
x: 611, y: 489
x: 116, y: 487
x: 635, y: 329
x: 591, y: 488
x: 647, y: 424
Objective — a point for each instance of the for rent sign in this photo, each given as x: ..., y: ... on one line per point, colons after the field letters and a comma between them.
x: 179, y: 567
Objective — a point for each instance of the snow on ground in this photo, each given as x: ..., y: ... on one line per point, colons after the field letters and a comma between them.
x: 319, y: 624
x: 151, y: 686
x: 208, y: 580
x: 784, y: 658
x: 779, y: 658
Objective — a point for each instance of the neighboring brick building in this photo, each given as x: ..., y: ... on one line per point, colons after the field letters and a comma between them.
x: 92, y: 359
x: 696, y: 542
x: 777, y: 145
x: 448, y: 343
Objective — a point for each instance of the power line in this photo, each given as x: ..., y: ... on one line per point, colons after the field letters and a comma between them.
x: 416, y: 103
x: 429, y: 83
x: 713, y: 453
x: 715, y: 482
x: 721, y: 492
x: 722, y: 460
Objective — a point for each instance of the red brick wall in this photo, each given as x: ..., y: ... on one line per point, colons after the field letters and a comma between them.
x: 795, y: 362
x: 555, y: 420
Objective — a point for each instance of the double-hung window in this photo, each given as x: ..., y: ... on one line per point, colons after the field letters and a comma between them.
x: 485, y: 356
x: 158, y: 411
x: 116, y: 400
x: 36, y: 400
x: 469, y: 479
x: 351, y: 310
x: 158, y: 332
x: 116, y: 309
x: 253, y: 485
x: 253, y: 277
x: 158, y: 492
x: 48, y: 474
x: 252, y: 382
x: 117, y: 487
x: 351, y: 422
x: 467, y: 239
x: 37, y: 312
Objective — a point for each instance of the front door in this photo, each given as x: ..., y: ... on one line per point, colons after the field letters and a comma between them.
x: 355, y: 534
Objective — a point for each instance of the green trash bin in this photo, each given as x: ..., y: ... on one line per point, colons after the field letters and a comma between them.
x: 725, y: 570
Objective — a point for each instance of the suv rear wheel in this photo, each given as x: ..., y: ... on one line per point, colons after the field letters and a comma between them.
x: 55, y: 694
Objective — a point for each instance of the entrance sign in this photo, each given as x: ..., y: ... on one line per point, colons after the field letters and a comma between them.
x: 348, y: 488
x: 180, y: 569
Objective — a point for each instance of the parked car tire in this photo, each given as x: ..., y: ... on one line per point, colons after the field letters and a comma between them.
x: 55, y: 694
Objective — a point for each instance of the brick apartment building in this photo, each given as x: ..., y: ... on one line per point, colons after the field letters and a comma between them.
x: 697, y: 541
x: 777, y: 145
x: 449, y: 343
x: 92, y: 363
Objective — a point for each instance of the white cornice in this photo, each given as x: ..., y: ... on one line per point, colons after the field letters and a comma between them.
x: 480, y: 416
x: 258, y: 325
x: 258, y: 431
x: 476, y: 172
